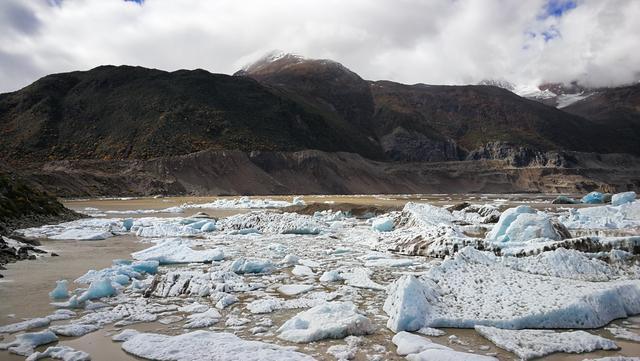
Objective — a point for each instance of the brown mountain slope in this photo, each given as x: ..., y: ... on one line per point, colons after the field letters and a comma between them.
x: 137, y: 113
x: 431, y: 123
x: 615, y: 108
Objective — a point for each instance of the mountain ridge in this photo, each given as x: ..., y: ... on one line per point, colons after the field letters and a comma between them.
x: 292, y: 104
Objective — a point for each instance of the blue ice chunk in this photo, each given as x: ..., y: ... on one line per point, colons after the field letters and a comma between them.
x: 121, y: 279
x: 199, y: 224
x: 208, y: 227
x: 622, y: 198
x: 150, y: 267
x: 188, y: 221
x: 243, y: 265
x: 61, y: 291
x: 98, y: 289
x: 383, y: 224
x: 127, y: 224
x: 593, y: 198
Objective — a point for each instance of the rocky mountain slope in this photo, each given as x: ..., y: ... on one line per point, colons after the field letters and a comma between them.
x: 289, y: 124
x: 23, y: 206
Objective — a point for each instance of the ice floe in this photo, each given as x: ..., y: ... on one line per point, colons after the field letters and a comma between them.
x: 61, y: 290
x: 382, y: 224
x: 178, y: 251
x: 294, y: 289
x: 529, y: 344
x: 474, y: 288
x: 522, y: 224
x: 205, y: 345
x: 246, y: 203
x: 272, y: 222
x: 623, y: 334
x: 243, y: 265
x: 408, y: 343
x: 626, y: 215
x: 25, y: 343
x: 74, y: 329
x: 64, y: 353
x: 204, y: 319
x: 622, y: 198
x: 327, y: 320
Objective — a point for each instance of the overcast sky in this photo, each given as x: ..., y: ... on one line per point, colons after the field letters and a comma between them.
x: 596, y: 42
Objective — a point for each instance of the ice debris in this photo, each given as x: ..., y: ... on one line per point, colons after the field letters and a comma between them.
x: 328, y: 320
x: 246, y: 203
x: 205, y: 345
x: 204, y: 319
x: 459, y: 293
x: 382, y: 224
x: 74, y: 329
x: 522, y: 224
x: 529, y: 344
x: 177, y: 250
x: 243, y: 265
x: 64, y: 353
x: 408, y: 343
x: 25, y: 343
x: 623, y: 198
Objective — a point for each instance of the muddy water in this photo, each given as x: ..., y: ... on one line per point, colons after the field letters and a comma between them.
x: 24, y: 291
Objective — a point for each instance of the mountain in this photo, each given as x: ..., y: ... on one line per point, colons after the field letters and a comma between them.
x: 557, y: 95
x: 614, y: 108
x: 426, y: 122
x: 127, y: 130
x: 136, y: 113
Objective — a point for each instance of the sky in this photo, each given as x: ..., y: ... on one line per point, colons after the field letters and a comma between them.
x: 527, y: 42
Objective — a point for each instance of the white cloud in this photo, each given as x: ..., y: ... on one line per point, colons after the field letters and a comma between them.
x: 437, y: 42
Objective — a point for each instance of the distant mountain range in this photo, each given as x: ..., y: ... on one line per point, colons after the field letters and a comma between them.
x: 287, y: 103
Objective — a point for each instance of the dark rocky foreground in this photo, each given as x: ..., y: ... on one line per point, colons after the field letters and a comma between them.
x: 22, y: 206
x: 316, y: 172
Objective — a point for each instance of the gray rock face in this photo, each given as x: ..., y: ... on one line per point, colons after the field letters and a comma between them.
x: 519, y: 156
x: 413, y: 146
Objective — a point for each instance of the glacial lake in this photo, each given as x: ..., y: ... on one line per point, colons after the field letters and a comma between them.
x: 26, y: 284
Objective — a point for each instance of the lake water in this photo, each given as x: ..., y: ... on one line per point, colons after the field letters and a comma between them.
x: 24, y: 290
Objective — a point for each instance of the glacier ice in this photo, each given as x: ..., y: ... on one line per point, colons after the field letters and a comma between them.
x: 593, y: 198
x: 408, y: 303
x: 74, y: 329
x: 522, y: 224
x: 98, y: 289
x: 61, y: 291
x: 203, y: 319
x: 382, y: 224
x: 447, y: 355
x: 408, y: 343
x: 622, y: 198
x: 529, y: 344
x: 176, y: 250
x: 243, y: 265
x: 294, y: 289
x: 206, y: 345
x: 458, y: 293
x: 272, y: 223
x: 302, y: 271
x: 25, y: 343
x: 327, y: 320
x: 245, y: 203
x: 64, y: 353
x: 25, y: 325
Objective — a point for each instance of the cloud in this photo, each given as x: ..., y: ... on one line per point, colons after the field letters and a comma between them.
x: 412, y: 41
